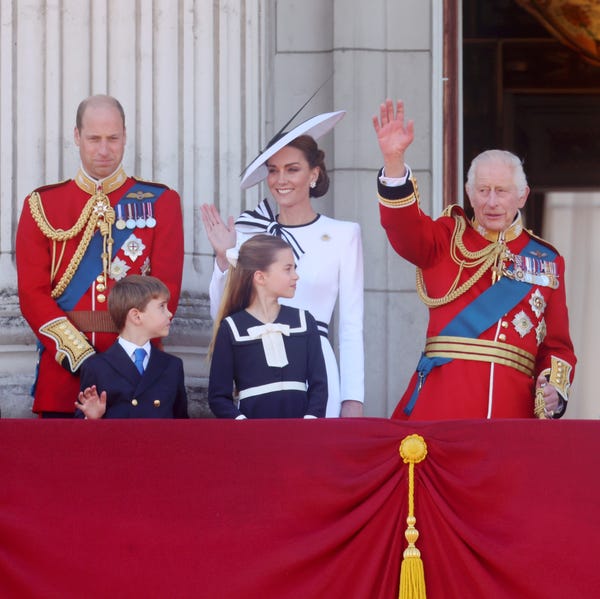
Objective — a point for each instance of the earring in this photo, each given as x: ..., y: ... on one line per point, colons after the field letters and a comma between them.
x: 313, y: 184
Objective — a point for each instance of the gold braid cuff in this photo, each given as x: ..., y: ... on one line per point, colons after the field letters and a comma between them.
x: 559, y: 376
x: 70, y: 343
x: 402, y: 202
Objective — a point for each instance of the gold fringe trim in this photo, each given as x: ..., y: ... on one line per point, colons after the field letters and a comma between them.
x: 413, y: 450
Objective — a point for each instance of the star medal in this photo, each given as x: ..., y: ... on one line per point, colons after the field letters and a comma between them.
x: 150, y: 220
x: 140, y: 221
x: 130, y: 220
x: 120, y: 224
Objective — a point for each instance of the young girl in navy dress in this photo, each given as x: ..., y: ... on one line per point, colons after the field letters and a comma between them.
x: 267, y: 360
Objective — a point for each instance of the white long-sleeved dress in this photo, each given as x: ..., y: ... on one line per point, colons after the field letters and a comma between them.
x: 330, y: 265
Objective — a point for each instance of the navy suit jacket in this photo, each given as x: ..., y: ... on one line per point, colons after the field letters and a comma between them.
x: 157, y: 393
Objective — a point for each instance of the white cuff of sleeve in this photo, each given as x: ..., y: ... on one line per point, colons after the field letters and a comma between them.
x: 241, y: 417
x: 309, y: 417
x: 394, y: 181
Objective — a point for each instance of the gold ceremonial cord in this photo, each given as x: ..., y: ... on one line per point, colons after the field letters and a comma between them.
x: 37, y: 211
x: 89, y: 217
x: 484, y: 258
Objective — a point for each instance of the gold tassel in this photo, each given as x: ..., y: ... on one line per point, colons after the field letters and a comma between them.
x: 413, y: 450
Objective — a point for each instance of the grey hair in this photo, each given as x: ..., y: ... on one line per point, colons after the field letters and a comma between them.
x: 504, y: 157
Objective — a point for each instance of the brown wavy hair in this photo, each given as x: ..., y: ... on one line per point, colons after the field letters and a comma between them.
x: 316, y: 159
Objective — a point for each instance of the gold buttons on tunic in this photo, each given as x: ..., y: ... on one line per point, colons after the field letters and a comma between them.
x: 100, y: 287
x: 100, y: 279
x: 157, y: 403
x: 504, y: 324
x: 134, y: 402
x: 502, y: 337
x: 101, y: 298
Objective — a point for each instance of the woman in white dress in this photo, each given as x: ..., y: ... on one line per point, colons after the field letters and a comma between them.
x: 328, y: 251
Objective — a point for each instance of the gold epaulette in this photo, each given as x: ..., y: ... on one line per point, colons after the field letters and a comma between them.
x: 70, y: 343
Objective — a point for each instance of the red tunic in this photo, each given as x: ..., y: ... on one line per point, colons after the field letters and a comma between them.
x: 538, y: 324
x: 159, y: 253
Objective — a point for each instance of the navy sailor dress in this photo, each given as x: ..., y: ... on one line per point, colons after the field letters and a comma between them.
x: 273, y: 370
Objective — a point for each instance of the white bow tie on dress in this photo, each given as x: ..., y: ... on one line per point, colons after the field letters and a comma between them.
x: 271, y: 335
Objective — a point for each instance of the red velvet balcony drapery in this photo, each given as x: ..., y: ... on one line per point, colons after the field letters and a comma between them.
x: 297, y: 509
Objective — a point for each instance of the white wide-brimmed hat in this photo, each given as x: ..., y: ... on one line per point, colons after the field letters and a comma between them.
x: 315, y: 127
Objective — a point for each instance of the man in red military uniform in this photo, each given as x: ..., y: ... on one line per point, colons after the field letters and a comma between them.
x: 77, y: 238
x: 498, y: 343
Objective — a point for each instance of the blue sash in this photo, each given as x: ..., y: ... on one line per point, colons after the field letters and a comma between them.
x: 91, y: 265
x: 485, y: 310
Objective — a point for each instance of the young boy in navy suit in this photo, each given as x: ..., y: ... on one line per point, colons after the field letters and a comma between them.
x: 136, y: 379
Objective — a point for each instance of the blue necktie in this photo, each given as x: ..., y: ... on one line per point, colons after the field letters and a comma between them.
x: 140, y: 354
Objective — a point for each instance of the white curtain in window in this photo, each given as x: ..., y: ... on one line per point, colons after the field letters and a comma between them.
x: 572, y: 224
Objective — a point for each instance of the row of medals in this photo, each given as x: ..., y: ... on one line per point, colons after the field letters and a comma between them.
x: 138, y: 215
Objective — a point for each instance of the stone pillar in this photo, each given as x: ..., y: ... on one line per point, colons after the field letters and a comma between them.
x: 189, y: 76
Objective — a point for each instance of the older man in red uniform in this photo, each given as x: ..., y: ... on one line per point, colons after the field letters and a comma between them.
x: 498, y: 343
x: 77, y: 238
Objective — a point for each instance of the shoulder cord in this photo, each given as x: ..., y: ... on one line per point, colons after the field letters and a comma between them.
x: 97, y: 208
x: 483, y: 258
